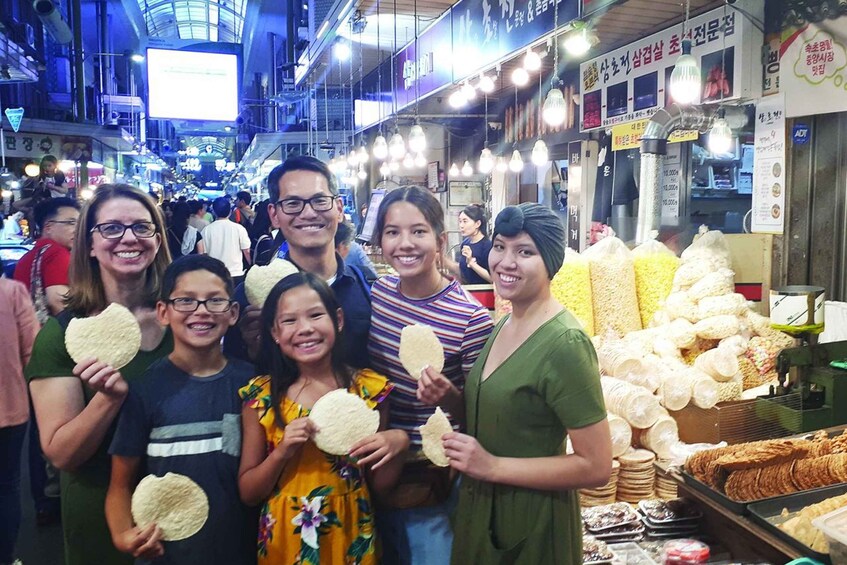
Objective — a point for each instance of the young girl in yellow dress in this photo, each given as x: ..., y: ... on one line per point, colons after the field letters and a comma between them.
x: 315, y: 507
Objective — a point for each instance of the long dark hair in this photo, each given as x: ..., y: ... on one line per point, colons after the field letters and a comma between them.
x: 421, y: 199
x: 476, y: 214
x: 284, y: 371
x: 179, y: 225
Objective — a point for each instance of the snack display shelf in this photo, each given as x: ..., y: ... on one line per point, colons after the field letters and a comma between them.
x: 769, y: 513
x: 744, y: 538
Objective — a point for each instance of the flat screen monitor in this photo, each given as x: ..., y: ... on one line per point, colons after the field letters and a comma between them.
x: 192, y: 85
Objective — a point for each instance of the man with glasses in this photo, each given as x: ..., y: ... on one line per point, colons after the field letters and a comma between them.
x: 44, y: 271
x: 304, y: 203
x: 226, y: 240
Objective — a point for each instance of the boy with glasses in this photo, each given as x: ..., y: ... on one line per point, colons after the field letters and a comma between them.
x: 184, y: 417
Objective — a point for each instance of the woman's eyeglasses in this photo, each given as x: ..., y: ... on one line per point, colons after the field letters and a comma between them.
x: 115, y: 230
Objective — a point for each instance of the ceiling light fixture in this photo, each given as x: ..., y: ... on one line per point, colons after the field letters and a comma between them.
x: 467, y: 170
x: 685, y: 82
x: 520, y: 77
x: 540, y: 154
x: 531, y: 61
x: 486, y: 84
x: 516, y: 162
x: 454, y: 170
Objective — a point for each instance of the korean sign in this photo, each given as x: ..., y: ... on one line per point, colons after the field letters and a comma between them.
x: 485, y: 31
x: 628, y: 136
x: 426, y: 67
x: 630, y: 83
x: 769, y: 167
x: 814, y: 67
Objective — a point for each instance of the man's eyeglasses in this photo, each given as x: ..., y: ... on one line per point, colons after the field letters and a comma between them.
x: 114, y: 230
x: 213, y: 305
x: 63, y: 222
x: 294, y: 206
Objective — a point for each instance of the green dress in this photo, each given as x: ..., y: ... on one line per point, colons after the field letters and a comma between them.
x: 87, y: 537
x: 550, y: 384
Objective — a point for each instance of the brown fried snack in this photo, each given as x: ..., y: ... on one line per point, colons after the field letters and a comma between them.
x: 741, y: 485
x: 697, y: 463
x: 764, y: 454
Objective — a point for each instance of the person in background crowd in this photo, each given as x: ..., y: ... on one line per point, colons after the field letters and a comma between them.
x: 352, y: 252
x: 414, y: 518
x: 227, y: 241
x: 265, y: 235
x: 52, y: 178
x: 471, y: 264
x: 183, y: 239
x: 197, y: 209
x: 183, y: 417
x: 306, y: 207
x: 44, y: 272
x: 19, y: 327
x: 243, y: 214
x: 332, y: 520
x: 209, y: 217
x: 535, y: 384
x: 167, y: 210
x: 118, y: 256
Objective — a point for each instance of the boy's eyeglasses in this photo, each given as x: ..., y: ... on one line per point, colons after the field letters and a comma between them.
x: 114, y: 230
x: 294, y: 206
x: 63, y: 222
x: 213, y: 305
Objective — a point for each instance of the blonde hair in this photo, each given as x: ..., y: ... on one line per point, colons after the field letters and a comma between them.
x: 86, y: 294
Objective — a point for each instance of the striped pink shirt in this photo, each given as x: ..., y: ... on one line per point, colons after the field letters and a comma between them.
x: 461, y: 324
x: 18, y: 326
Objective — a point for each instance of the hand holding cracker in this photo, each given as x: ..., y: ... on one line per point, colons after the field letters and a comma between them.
x: 101, y: 377
x: 297, y: 432
x: 467, y: 456
x: 381, y: 447
x: 434, y: 387
x: 143, y: 543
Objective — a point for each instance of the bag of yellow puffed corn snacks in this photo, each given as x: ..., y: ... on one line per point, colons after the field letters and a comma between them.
x: 655, y: 267
x: 572, y: 288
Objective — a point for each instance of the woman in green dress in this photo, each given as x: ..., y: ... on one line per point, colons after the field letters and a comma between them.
x: 535, y: 383
x: 118, y: 256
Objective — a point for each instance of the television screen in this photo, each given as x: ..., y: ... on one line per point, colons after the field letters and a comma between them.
x: 191, y: 85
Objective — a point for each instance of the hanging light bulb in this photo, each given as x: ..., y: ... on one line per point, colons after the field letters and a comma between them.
x: 408, y: 161
x: 380, y: 148
x: 394, y: 166
x: 454, y: 170
x: 363, y: 153
x: 457, y: 99
x: 554, y: 110
x: 486, y: 84
x: 501, y: 166
x: 486, y: 161
x: 539, y: 153
x: 361, y: 173
x: 685, y: 78
x: 516, y: 162
x: 420, y: 161
x: 720, y: 136
x: 396, y: 146
x: 578, y: 42
x: 417, y: 139
x: 467, y: 170
x: 520, y: 77
x: 384, y: 169
x: 468, y: 91
x: 353, y: 158
x: 531, y: 61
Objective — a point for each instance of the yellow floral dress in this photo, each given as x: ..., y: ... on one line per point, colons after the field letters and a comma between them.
x: 320, y: 510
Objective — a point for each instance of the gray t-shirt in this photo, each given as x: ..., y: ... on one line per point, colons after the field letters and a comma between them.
x: 190, y: 425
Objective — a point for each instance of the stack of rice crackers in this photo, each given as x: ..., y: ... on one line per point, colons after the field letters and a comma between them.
x: 637, y: 476
x: 602, y: 495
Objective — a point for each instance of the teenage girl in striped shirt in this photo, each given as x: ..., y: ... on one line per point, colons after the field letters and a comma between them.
x: 413, y: 520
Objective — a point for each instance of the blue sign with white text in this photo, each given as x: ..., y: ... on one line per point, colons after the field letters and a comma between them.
x: 801, y: 134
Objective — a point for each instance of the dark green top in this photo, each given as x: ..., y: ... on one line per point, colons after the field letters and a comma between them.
x: 87, y: 538
x: 550, y: 384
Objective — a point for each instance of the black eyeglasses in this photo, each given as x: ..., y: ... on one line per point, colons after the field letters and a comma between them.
x: 213, y: 305
x: 115, y: 230
x: 293, y: 206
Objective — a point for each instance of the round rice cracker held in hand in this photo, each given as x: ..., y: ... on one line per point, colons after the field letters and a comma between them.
x: 261, y: 279
x: 174, y: 502
x: 419, y: 347
x: 436, y: 426
x: 113, y: 336
x: 342, y: 419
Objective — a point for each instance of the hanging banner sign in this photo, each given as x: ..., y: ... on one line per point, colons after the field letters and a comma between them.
x: 422, y: 69
x: 814, y: 67
x: 486, y: 31
x: 631, y: 83
x: 15, y: 116
x: 628, y: 136
x: 769, y: 167
x: 670, y: 182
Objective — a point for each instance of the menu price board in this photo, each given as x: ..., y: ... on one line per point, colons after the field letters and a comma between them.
x: 769, y: 167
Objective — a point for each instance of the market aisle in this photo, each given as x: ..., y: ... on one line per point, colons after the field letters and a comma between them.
x: 37, y: 546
